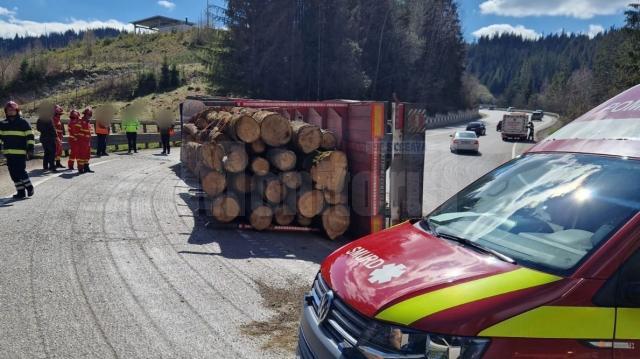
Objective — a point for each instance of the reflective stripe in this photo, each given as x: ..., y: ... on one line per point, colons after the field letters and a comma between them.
x: 628, y: 323
x: 16, y: 133
x: 14, y: 152
x: 31, y: 142
x: 557, y: 323
x: 421, y: 306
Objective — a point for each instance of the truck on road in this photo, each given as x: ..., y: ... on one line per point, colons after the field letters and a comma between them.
x: 514, y: 126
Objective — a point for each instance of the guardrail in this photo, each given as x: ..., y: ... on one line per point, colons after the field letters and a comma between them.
x: 451, y: 118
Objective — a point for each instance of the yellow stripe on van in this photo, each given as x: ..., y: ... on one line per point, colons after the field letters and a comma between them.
x: 628, y: 323
x: 418, y: 307
x: 552, y: 322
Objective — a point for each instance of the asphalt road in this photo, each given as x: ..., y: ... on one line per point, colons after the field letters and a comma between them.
x: 447, y: 173
x: 114, y: 264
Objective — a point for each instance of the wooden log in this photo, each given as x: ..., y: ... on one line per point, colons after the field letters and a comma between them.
x: 282, y: 159
x: 236, y: 158
x: 190, y: 130
x: 274, y: 191
x: 213, y: 183
x: 243, y: 128
x: 275, y: 129
x: 336, y: 221
x: 283, y: 215
x: 329, y: 140
x: 225, y: 208
x: 329, y: 171
x: 310, y: 203
x: 241, y: 183
x: 261, y: 217
x: 334, y: 198
x: 260, y: 166
x: 211, y: 155
x: 258, y: 147
x: 291, y: 179
x: 303, y: 221
x: 305, y: 137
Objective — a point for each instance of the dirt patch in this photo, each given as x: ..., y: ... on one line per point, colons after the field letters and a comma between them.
x: 281, y: 330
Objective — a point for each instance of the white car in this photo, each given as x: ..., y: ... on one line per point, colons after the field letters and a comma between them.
x: 464, y: 141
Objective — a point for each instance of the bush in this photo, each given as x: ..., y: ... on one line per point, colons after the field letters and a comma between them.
x: 147, y: 84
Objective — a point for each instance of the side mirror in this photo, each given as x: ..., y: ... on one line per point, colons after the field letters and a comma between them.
x: 632, y: 292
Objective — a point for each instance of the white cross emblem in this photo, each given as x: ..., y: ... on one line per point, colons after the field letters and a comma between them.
x: 387, y: 273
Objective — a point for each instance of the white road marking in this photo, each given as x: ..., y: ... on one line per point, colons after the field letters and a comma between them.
x: 513, y: 150
x: 36, y: 184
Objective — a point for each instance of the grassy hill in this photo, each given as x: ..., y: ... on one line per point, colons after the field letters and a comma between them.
x: 94, y: 72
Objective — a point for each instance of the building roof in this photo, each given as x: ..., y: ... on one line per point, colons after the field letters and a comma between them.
x: 156, y: 22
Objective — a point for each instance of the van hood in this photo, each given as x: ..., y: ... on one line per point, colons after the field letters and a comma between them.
x: 384, y: 271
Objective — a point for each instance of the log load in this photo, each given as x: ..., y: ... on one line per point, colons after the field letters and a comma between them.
x: 335, y: 221
x: 310, y: 203
x: 329, y: 171
x: 305, y: 137
x: 243, y: 128
x: 261, y: 217
x: 275, y: 129
x: 329, y: 141
x: 212, y: 155
x: 236, y: 158
x: 225, y: 208
x: 213, y: 183
x: 282, y: 159
x: 260, y: 166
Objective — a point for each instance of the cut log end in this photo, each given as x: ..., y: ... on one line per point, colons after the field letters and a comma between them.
x: 244, y: 128
x: 291, y: 179
x: 311, y: 203
x: 274, y: 191
x: 261, y: 217
x: 329, y: 141
x: 330, y: 171
x: 283, y: 160
x: 225, y: 209
x: 284, y: 215
x: 275, y: 130
x: 236, y: 159
x: 258, y: 147
x: 306, y: 137
x: 260, y: 166
x: 213, y: 183
x: 336, y: 221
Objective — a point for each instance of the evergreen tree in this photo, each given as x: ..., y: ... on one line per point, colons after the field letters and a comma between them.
x: 165, y: 75
x: 174, y: 77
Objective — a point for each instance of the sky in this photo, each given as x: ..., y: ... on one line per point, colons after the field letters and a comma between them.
x: 529, y: 18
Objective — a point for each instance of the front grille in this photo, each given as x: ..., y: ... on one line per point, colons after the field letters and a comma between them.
x: 342, y: 323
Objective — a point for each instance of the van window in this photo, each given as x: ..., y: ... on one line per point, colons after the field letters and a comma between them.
x: 546, y: 211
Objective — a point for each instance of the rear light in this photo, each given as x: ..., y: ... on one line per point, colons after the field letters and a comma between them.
x: 456, y: 142
x: 475, y: 142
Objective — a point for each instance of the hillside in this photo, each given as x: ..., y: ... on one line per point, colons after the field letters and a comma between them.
x: 110, y: 70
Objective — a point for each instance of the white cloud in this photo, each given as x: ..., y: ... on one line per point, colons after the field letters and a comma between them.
x: 6, y: 12
x: 581, y: 9
x: 167, y: 4
x: 594, y: 30
x: 12, y: 26
x: 499, y: 29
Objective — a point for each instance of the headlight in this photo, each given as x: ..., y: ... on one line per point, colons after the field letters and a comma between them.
x: 390, y: 342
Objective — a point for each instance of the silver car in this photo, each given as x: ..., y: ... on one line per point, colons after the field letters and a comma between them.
x: 464, y: 141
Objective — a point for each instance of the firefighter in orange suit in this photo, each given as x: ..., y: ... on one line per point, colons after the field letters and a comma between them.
x: 57, y: 124
x: 84, y: 141
x: 74, y: 136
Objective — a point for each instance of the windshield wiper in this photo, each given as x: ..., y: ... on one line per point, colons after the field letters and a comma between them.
x: 475, y: 246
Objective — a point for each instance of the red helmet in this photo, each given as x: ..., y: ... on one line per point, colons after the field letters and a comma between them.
x: 11, y: 105
x: 58, y: 110
x: 74, y: 115
x: 88, y: 112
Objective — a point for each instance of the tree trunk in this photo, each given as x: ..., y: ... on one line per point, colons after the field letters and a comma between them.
x: 236, y: 159
x: 275, y: 130
x: 261, y: 217
x: 213, y: 183
x: 190, y: 130
x: 329, y: 171
x: 306, y: 137
x: 243, y: 128
x: 282, y: 159
x: 284, y: 215
x: 225, y: 208
x: 335, y: 221
x: 329, y: 140
x: 258, y: 147
x: 292, y: 179
x: 310, y: 203
x: 260, y: 166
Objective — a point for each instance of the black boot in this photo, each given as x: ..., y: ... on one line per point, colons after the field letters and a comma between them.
x: 58, y: 164
x: 87, y: 169
x: 30, y: 191
x: 20, y: 195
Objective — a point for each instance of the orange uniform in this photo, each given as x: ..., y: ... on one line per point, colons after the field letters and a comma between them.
x: 84, y: 142
x: 75, y: 132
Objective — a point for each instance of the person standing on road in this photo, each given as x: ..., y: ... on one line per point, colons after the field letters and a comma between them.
x: 74, y: 136
x: 130, y: 125
x: 102, y: 131
x: 16, y: 138
x: 531, y: 131
x: 164, y: 121
x: 84, y: 141
x: 48, y: 138
x: 57, y: 124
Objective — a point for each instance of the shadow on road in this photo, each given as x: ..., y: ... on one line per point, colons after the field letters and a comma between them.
x: 468, y: 153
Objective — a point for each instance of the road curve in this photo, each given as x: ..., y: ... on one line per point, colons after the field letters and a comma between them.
x: 115, y: 265
x: 447, y: 173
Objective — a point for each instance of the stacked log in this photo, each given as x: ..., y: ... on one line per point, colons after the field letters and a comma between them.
x: 259, y: 166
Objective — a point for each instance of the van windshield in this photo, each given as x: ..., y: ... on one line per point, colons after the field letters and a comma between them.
x: 547, y: 211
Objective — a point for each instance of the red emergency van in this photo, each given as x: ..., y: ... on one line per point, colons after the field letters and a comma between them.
x: 539, y: 258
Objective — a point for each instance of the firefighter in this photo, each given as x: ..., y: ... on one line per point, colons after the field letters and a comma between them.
x: 17, y: 141
x: 57, y: 124
x: 48, y: 138
x: 74, y: 136
x: 84, y: 141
